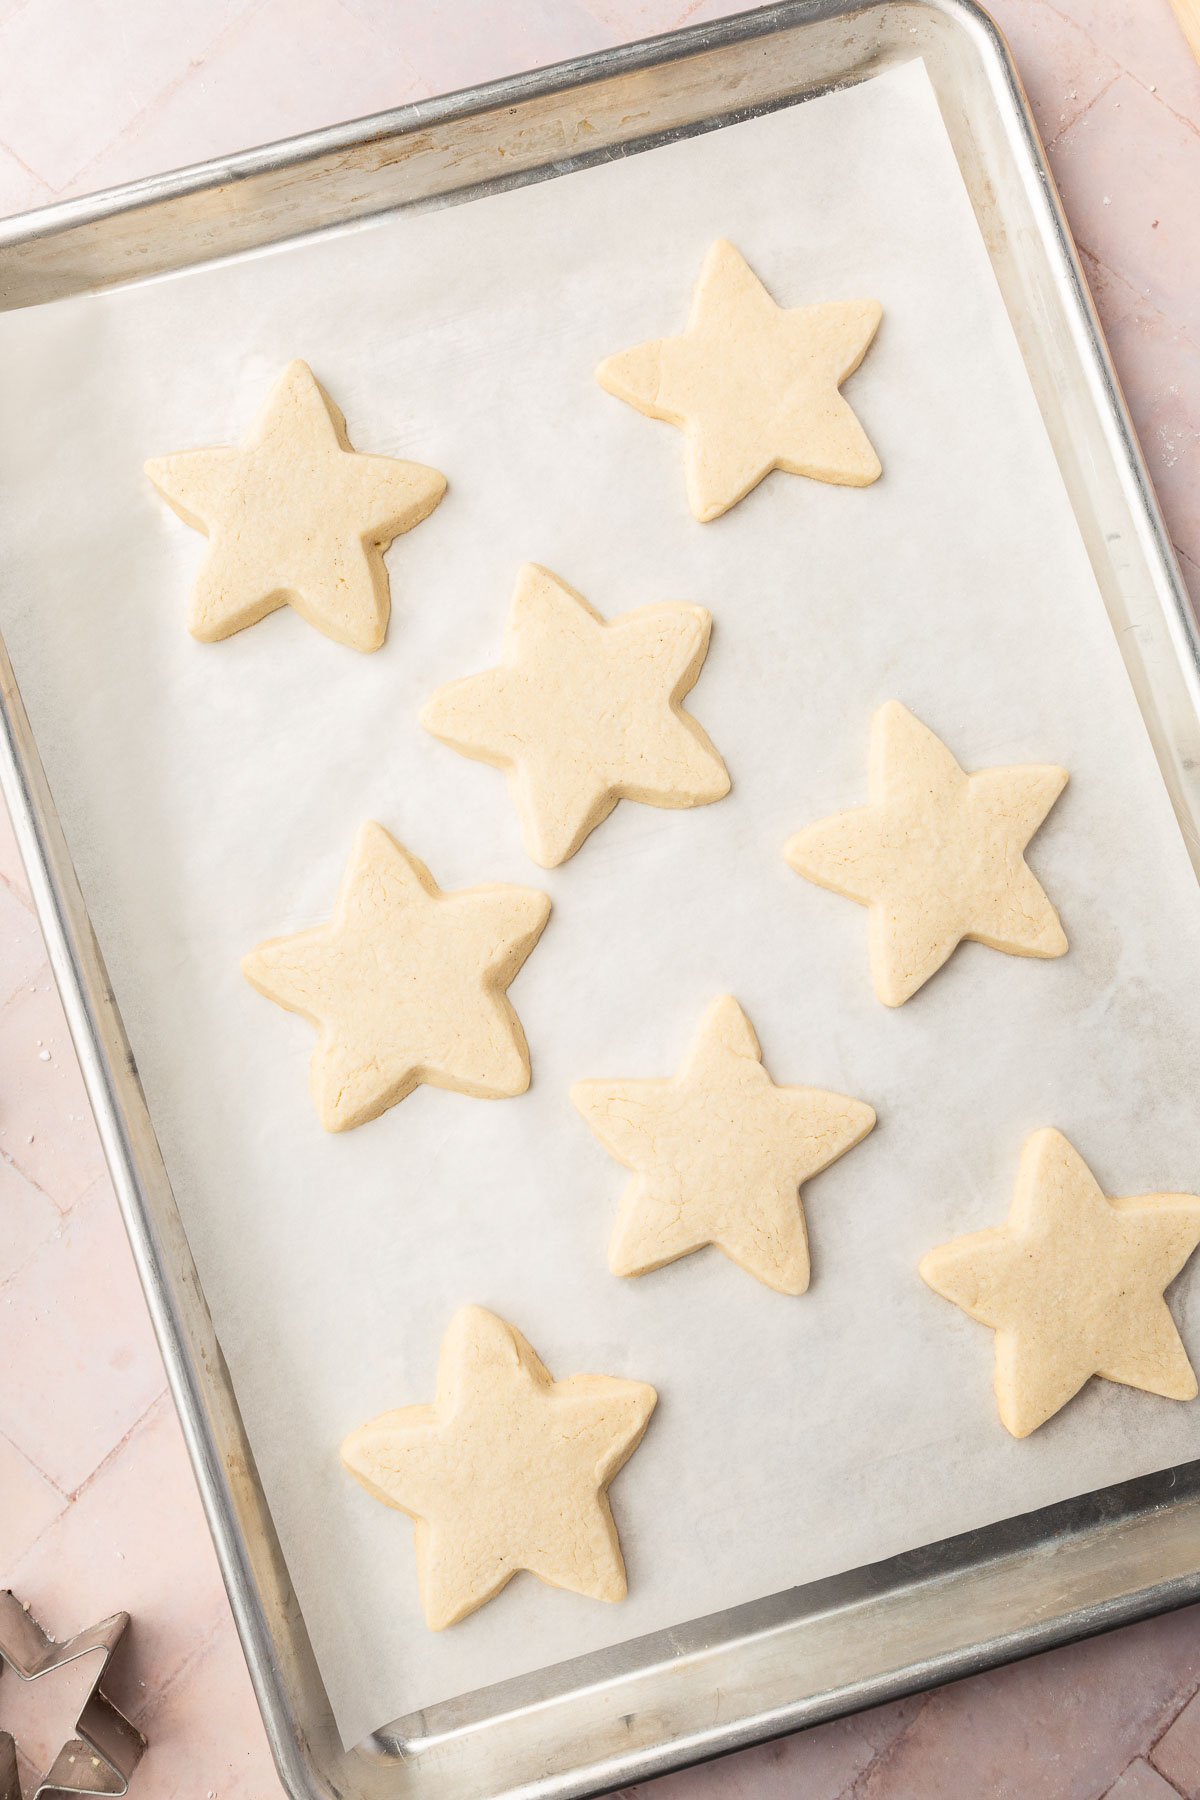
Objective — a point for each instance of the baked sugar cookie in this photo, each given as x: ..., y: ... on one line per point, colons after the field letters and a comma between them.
x: 295, y: 517
x: 507, y: 1470
x: 1073, y: 1286
x: 754, y: 386
x: 583, y: 712
x: 405, y: 984
x: 719, y: 1154
x: 937, y: 856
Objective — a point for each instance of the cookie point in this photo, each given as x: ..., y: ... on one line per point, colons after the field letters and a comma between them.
x: 297, y: 371
x: 548, y: 856
x: 543, y: 906
x: 334, y: 1122
x: 252, y: 968
x: 372, y: 834
x: 470, y: 1316
x: 707, y: 510
x: 606, y: 374
x: 350, y: 1450
x: 204, y: 632
x: 369, y: 640
x: 1058, y: 942
x: 631, y: 375
x: 790, y: 1285
x: 440, y: 1618
x: 620, y: 1263
x: 1015, y: 1425
x: 616, y: 1590
x: 927, y: 1270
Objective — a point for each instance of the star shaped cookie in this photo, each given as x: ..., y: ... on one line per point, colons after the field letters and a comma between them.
x: 753, y: 386
x: 507, y: 1470
x: 937, y: 856
x: 583, y: 712
x: 405, y: 984
x: 719, y: 1154
x: 295, y: 517
x: 1073, y: 1286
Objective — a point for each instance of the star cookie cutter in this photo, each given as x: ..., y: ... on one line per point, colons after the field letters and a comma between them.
x: 106, y: 1748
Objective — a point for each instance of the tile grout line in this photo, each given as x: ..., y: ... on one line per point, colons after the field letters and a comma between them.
x: 1154, y: 94
x: 155, y: 1696
x: 64, y: 1212
x: 1191, y: 124
x: 1142, y: 1757
x: 72, y: 1498
x: 1143, y: 301
x: 1052, y: 143
x: 165, y: 93
x: 48, y: 1479
x: 130, y: 1432
x: 16, y: 154
x: 7, y: 880
x: 1190, y: 562
x: 856, y: 1788
x: 416, y: 78
x: 1159, y: 1735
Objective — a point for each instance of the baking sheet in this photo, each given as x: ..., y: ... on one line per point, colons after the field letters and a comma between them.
x: 210, y: 795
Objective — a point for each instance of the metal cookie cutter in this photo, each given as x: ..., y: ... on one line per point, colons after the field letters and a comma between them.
x: 106, y: 1748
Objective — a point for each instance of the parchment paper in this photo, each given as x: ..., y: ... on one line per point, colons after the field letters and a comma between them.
x: 210, y: 796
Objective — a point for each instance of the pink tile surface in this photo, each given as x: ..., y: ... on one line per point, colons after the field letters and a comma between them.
x: 1143, y: 37
x: 1064, y: 1725
x: 1140, y: 1782
x: 96, y: 1369
x: 12, y: 872
x: 46, y: 1126
x: 31, y: 1503
x: 30, y: 1218
x: 1129, y: 170
x: 1160, y: 363
x: 263, y: 73
x: 87, y: 70
x: 451, y: 45
x: 1176, y: 1755
x: 204, y: 1732
x: 1064, y: 69
x: 133, y: 1539
x: 21, y: 952
x: 23, y: 189
x: 97, y: 1507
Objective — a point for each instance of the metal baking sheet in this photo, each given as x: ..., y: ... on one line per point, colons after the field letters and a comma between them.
x: 447, y: 1724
